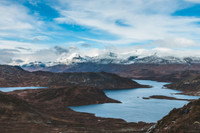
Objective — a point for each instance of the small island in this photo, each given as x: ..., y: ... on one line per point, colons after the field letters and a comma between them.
x: 166, y: 97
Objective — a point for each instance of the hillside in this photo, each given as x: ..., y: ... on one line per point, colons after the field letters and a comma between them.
x: 18, y: 115
x: 68, y: 96
x: 159, y: 72
x: 189, y: 85
x: 46, y: 111
x: 15, y: 76
x: 15, y: 109
x: 182, y: 120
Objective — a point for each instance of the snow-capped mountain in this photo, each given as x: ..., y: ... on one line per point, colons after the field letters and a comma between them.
x: 111, y: 58
x: 70, y: 59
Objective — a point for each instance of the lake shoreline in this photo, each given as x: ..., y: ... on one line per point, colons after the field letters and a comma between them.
x: 88, y: 122
x: 107, y: 123
x: 161, y: 84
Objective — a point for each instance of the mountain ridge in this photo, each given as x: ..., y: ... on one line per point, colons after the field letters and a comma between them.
x: 16, y: 77
x: 158, y: 72
x: 110, y: 58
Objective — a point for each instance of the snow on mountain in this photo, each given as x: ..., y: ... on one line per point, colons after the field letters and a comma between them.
x: 70, y: 59
x: 111, y: 58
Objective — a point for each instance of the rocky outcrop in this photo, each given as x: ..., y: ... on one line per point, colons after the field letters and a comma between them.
x: 182, y: 120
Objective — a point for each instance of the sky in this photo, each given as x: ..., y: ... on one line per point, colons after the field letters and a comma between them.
x: 45, y: 30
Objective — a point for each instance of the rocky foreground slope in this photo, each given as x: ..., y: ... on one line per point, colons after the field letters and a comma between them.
x: 182, y: 120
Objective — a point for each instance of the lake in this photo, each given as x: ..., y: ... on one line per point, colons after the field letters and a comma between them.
x: 133, y: 107
x: 8, y: 89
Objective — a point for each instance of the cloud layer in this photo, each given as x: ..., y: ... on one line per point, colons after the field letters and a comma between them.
x: 44, y: 30
x: 131, y: 21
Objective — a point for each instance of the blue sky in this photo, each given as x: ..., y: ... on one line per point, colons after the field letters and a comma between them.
x: 29, y: 26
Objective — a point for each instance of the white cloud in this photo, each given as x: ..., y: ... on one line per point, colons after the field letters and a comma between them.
x: 145, y: 20
x: 128, y: 21
x: 15, y: 17
x: 105, y: 42
x: 34, y: 2
x: 194, y: 1
x: 36, y: 39
x: 175, y: 43
x: 6, y: 56
x: 21, y: 46
x: 16, y: 22
x: 159, y: 51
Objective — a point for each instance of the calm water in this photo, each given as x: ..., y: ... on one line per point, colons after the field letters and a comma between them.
x: 133, y: 108
x: 8, y: 89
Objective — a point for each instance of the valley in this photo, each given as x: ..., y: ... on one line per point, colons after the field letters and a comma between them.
x: 99, y: 66
x: 49, y: 105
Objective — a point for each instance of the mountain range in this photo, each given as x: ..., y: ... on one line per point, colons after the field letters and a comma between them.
x: 108, y: 58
